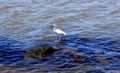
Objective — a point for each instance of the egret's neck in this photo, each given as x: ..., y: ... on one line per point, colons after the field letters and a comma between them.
x: 54, y: 28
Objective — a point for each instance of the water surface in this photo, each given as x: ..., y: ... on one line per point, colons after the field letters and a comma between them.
x: 26, y: 23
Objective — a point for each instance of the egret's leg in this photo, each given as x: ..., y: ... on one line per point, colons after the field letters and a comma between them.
x: 59, y: 38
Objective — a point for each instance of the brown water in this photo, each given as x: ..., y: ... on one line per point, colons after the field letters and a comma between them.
x: 29, y: 21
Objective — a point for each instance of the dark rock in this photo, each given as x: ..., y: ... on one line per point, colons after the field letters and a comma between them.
x: 78, y: 56
x: 40, y: 52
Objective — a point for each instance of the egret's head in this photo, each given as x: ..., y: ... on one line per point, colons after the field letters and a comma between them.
x: 53, y: 25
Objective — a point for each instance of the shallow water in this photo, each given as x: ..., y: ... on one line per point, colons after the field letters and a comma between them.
x: 26, y: 24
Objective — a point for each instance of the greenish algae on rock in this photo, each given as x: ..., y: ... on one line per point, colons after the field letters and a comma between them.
x: 40, y: 52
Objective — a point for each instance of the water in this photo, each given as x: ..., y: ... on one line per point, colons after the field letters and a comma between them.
x: 26, y: 23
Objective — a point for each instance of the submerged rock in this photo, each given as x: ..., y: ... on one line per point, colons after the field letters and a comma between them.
x: 73, y: 53
x: 78, y: 56
x: 40, y: 52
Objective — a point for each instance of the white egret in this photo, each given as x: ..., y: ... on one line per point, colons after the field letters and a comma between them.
x: 58, y: 31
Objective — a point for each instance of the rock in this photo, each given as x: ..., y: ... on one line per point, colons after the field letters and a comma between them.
x: 78, y: 56
x: 74, y: 54
x: 40, y: 52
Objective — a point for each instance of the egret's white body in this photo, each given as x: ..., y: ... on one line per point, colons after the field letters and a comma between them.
x: 58, y: 31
